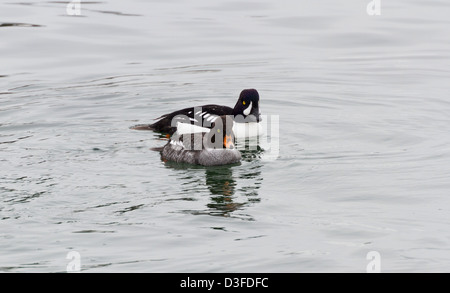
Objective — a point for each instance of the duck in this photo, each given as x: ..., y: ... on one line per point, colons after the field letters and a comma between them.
x: 246, y: 117
x: 212, y: 148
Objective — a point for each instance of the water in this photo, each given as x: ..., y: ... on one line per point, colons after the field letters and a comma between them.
x: 363, y: 164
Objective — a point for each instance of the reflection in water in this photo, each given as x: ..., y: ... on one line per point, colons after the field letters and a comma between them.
x: 231, y: 187
x: 220, y: 181
x: 7, y: 24
x: 222, y: 186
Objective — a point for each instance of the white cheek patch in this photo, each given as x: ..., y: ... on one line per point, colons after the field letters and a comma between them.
x: 248, y: 110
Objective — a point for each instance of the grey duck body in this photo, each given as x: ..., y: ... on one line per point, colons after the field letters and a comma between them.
x: 208, y: 148
x: 180, y: 152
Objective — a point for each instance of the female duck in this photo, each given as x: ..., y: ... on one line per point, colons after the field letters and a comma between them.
x: 212, y: 148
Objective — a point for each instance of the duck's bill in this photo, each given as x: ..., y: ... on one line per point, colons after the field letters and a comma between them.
x: 228, y: 142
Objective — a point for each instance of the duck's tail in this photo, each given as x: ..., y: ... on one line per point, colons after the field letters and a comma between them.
x: 157, y: 149
x: 143, y: 127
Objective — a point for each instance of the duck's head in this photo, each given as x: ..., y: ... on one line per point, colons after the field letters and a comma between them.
x: 221, y: 133
x: 247, y: 107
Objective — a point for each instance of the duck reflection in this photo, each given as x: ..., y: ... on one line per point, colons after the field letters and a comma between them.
x: 231, y: 187
x: 222, y: 186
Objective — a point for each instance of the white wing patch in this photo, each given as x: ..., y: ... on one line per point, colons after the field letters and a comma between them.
x: 177, y: 143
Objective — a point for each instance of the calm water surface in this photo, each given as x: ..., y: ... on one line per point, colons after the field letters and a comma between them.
x: 364, y: 159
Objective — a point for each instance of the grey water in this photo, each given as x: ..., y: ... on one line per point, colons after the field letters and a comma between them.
x: 364, y: 134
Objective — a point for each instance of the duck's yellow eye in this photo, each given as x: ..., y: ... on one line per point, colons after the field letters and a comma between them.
x: 218, y: 130
x: 243, y: 102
